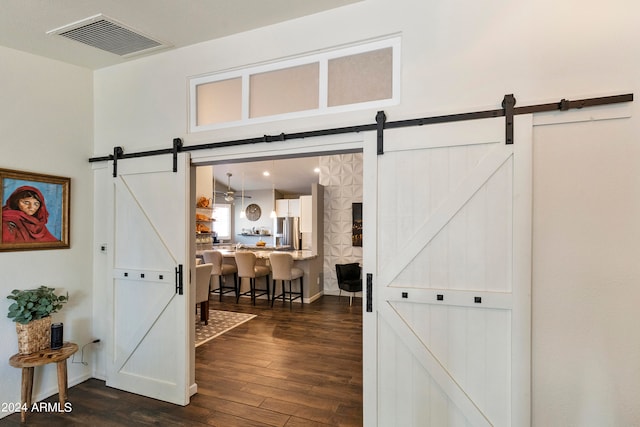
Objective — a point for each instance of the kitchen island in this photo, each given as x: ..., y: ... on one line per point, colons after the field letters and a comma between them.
x: 263, y: 253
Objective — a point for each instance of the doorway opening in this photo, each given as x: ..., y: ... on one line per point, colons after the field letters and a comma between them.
x: 315, y: 339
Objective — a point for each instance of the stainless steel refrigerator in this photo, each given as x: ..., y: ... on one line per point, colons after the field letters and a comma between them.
x: 288, y: 229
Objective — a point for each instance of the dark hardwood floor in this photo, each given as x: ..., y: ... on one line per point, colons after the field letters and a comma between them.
x: 283, y: 368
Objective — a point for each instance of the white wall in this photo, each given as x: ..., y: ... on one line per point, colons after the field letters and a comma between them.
x: 585, y: 274
x: 46, y: 123
x: 464, y: 55
x: 204, y: 182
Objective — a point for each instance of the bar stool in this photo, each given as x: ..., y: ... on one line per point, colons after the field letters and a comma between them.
x: 282, y: 269
x: 247, y: 268
x: 203, y: 282
x: 219, y: 269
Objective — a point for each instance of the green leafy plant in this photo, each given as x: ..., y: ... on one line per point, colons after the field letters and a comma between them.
x: 34, y: 304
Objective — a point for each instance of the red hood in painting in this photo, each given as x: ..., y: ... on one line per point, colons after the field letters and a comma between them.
x: 20, y: 227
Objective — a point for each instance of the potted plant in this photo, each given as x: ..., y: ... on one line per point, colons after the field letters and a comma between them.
x: 32, y: 310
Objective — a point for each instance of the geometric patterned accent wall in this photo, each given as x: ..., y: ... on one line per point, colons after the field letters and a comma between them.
x: 341, y: 176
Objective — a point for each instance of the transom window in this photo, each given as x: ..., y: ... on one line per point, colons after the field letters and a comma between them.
x: 353, y: 78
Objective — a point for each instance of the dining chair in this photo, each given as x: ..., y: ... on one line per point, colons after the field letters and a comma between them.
x: 349, y: 278
x: 221, y: 270
x: 282, y: 269
x: 203, y: 277
x: 247, y: 268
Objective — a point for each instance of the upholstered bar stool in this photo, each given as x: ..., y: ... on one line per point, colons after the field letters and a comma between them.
x: 282, y: 269
x: 221, y: 270
x: 247, y: 268
x: 203, y: 279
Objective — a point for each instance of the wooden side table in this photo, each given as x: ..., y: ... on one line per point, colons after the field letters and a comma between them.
x: 39, y: 358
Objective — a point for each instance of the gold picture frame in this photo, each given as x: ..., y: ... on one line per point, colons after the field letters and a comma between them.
x: 35, y: 211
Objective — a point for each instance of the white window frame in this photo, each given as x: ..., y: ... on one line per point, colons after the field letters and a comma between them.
x: 323, y: 59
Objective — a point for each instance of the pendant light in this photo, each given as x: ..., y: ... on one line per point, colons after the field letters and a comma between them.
x: 273, y: 191
x: 213, y: 205
x: 228, y: 196
x: 214, y: 188
x: 273, y: 198
x: 242, y: 213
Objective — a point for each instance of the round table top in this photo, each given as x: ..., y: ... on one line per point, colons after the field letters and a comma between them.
x: 42, y: 357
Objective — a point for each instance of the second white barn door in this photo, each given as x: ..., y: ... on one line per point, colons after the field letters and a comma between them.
x: 451, y: 306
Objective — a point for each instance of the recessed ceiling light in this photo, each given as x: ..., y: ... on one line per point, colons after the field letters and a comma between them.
x: 266, y: 173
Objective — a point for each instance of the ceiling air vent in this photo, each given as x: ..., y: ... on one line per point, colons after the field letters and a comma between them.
x: 107, y: 34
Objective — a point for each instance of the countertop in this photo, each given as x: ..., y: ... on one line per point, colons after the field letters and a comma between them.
x: 263, y: 253
x: 262, y: 248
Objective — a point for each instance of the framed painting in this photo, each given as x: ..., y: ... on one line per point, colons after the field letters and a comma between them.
x: 356, y: 228
x: 35, y: 211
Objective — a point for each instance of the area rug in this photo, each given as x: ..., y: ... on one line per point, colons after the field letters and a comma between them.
x: 219, y: 323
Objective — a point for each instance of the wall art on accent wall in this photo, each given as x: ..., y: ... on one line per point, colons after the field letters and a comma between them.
x: 35, y: 211
x: 356, y: 233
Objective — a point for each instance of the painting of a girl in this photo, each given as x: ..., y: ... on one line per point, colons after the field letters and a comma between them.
x: 35, y: 211
x: 24, y: 217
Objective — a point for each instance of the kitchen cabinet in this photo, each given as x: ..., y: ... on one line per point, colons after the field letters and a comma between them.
x: 312, y: 220
x: 306, y: 214
x: 287, y: 207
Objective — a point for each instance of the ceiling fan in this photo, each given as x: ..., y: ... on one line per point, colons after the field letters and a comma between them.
x: 229, y: 195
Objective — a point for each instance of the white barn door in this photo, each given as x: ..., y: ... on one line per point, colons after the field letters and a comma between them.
x: 448, y: 340
x: 148, y: 347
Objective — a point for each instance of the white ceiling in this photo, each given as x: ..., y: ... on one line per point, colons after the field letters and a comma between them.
x: 24, y: 23
x: 289, y: 176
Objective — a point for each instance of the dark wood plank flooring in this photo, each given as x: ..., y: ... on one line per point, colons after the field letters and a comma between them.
x: 283, y: 368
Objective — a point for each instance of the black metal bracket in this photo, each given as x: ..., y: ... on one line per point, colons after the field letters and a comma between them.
x: 369, y: 292
x: 177, y: 147
x: 508, y: 103
x: 117, y: 153
x: 179, y: 283
x: 381, y: 119
x: 271, y: 138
